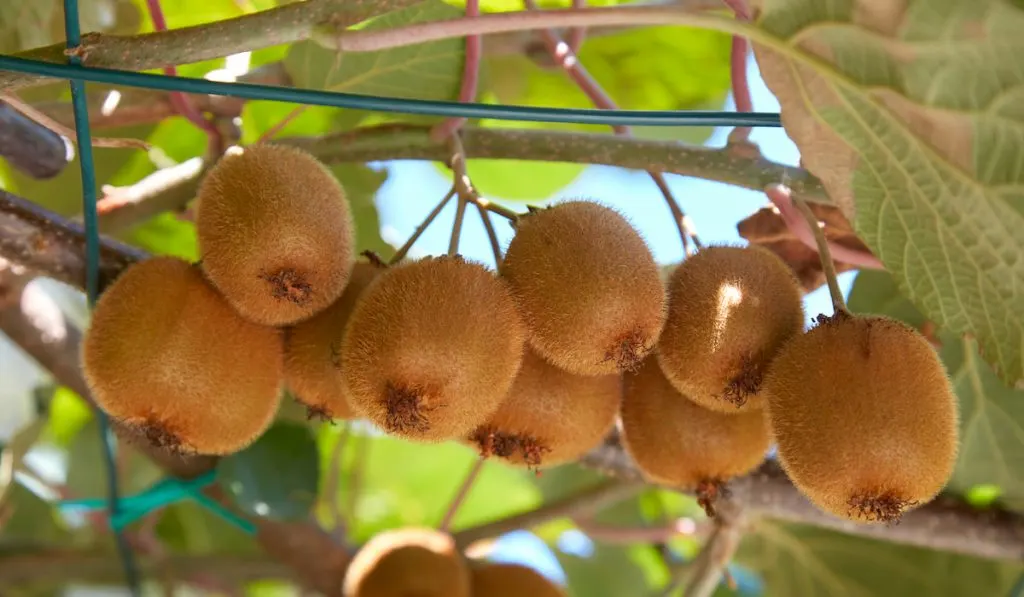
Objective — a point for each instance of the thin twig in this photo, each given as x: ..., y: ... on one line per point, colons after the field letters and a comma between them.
x: 827, y: 264
x: 354, y: 484
x: 565, y: 57
x: 576, y: 35
x: 492, y: 236
x: 682, y: 527
x: 583, y: 503
x: 738, y: 52
x: 270, y: 132
x: 45, y: 121
x: 461, y: 494
x: 181, y: 102
x: 460, y: 215
x: 711, y: 563
x: 496, y: 209
x: 331, y: 481
x: 373, y: 40
x: 470, y: 76
x: 404, y: 249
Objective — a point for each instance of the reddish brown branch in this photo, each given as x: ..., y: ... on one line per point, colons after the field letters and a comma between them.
x: 470, y: 76
x: 564, y: 55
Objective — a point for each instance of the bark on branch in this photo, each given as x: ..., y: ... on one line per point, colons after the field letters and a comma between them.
x: 405, y: 142
x: 281, y: 25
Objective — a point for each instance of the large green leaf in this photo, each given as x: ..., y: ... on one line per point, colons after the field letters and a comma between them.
x: 87, y: 468
x: 425, y: 71
x: 613, y: 571
x: 26, y: 24
x: 277, y: 476
x: 991, y: 413
x: 361, y: 184
x: 649, y: 68
x: 405, y: 484
x: 812, y: 562
x: 912, y: 118
x: 33, y: 520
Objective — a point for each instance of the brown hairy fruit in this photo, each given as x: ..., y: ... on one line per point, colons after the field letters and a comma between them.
x: 275, y: 233
x: 409, y: 562
x: 587, y: 286
x: 677, y: 443
x: 312, y: 358
x: 550, y: 416
x: 166, y: 354
x: 864, y: 416
x: 511, y: 580
x: 431, y: 348
x: 730, y: 311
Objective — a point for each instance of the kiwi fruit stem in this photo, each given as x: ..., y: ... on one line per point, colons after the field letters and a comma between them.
x: 827, y: 264
x: 404, y: 250
x: 460, y: 215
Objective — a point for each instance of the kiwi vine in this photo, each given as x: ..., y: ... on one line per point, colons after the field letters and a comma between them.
x: 575, y: 340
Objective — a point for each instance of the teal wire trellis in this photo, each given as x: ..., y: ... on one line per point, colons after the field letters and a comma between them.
x: 123, y: 511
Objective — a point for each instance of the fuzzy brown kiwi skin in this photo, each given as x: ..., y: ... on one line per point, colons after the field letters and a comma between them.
x: 275, y: 233
x: 730, y: 311
x: 588, y: 287
x: 864, y: 416
x: 166, y: 355
x: 410, y: 561
x: 677, y: 443
x: 312, y: 358
x: 550, y: 416
x: 506, y: 579
x: 431, y: 348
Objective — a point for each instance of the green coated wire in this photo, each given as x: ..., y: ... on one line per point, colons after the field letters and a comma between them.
x: 392, y: 104
x: 73, y: 34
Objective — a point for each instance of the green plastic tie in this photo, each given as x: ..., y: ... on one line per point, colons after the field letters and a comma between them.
x: 163, y: 493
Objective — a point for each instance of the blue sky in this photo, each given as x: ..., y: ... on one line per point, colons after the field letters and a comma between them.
x: 414, y: 188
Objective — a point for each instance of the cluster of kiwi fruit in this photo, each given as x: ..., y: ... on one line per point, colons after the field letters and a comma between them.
x: 860, y: 408
x: 421, y: 562
x: 533, y: 363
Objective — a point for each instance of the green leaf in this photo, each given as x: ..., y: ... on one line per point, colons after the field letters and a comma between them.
x: 912, y: 119
x: 991, y: 414
x: 361, y: 184
x: 87, y: 468
x: 33, y: 520
x: 425, y: 71
x: 186, y: 13
x: 260, y: 116
x: 648, y: 68
x: 68, y: 414
x: 812, y: 562
x: 26, y: 24
x: 276, y: 477
x: 613, y: 571
x: 406, y: 484
x: 187, y: 527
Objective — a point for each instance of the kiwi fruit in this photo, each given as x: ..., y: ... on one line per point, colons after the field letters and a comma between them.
x: 506, y: 579
x: 588, y: 287
x: 677, y: 443
x: 550, y: 416
x: 864, y: 416
x: 167, y: 355
x: 312, y: 357
x: 275, y: 233
x: 431, y: 348
x: 409, y: 562
x: 730, y: 310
